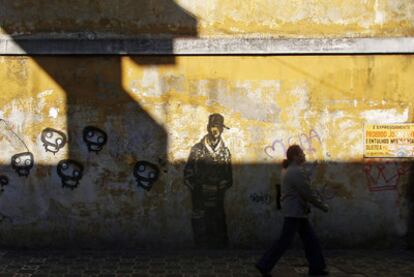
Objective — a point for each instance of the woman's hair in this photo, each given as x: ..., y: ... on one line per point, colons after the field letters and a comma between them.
x: 291, y: 153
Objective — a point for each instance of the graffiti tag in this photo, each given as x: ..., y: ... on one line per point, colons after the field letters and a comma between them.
x: 261, y: 198
x: 305, y: 140
x: 4, y: 181
x: 384, y: 176
x: 325, y: 193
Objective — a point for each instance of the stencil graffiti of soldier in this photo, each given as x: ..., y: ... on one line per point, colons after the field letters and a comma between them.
x: 208, y: 174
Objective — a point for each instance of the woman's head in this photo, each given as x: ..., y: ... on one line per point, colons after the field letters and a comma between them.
x: 294, y: 154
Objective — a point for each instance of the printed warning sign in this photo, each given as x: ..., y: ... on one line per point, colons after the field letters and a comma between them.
x: 389, y: 140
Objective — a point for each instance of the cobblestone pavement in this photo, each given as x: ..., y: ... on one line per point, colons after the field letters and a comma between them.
x: 197, y: 263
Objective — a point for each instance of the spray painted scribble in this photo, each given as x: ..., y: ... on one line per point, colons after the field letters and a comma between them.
x: 146, y: 174
x: 384, y: 176
x: 53, y: 140
x: 94, y: 138
x: 208, y: 174
x: 70, y: 172
x: 261, y: 198
x: 325, y: 193
x: 305, y: 140
x: 22, y: 163
x: 4, y: 181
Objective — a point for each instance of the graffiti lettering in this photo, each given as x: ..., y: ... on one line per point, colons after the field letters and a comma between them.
x: 261, y: 198
x: 4, y: 181
x: 271, y: 149
x: 305, y: 140
x: 384, y: 176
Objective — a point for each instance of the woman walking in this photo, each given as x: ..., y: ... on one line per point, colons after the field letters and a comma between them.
x: 296, y: 197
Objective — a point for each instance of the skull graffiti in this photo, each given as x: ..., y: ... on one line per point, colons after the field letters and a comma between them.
x: 146, y: 174
x: 4, y: 181
x: 94, y: 138
x: 70, y: 172
x: 53, y: 140
x: 22, y: 163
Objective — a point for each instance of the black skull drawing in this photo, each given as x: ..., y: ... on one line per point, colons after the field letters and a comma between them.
x: 70, y: 172
x: 53, y: 140
x: 22, y: 163
x: 4, y: 181
x: 146, y: 174
x: 94, y: 138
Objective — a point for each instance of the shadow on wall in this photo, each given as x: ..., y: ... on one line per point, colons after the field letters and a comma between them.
x: 410, y: 200
x: 98, y: 150
x: 217, y: 187
x: 162, y: 20
x: 94, y: 131
x: 87, y: 98
x: 126, y: 18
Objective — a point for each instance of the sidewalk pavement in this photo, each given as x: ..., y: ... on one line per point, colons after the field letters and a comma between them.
x: 197, y: 263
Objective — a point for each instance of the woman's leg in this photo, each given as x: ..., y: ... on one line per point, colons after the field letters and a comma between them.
x: 271, y: 256
x: 313, y: 250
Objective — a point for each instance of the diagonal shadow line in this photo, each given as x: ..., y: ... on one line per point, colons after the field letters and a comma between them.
x: 312, y: 77
x: 86, y: 98
x: 83, y: 97
x: 101, y: 69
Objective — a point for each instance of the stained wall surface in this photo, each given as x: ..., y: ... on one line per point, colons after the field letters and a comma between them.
x: 150, y: 112
x: 218, y: 18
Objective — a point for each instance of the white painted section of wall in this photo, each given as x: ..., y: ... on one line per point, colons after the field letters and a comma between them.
x: 385, y: 116
x: 202, y: 46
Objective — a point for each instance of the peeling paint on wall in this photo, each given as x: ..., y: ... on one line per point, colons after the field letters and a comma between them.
x: 154, y: 114
x: 277, y: 18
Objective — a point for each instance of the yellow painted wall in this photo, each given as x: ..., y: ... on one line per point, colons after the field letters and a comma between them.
x: 263, y: 18
x: 156, y: 109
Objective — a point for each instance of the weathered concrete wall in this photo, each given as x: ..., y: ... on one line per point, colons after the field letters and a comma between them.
x: 155, y: 109
x: 260, y: 18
